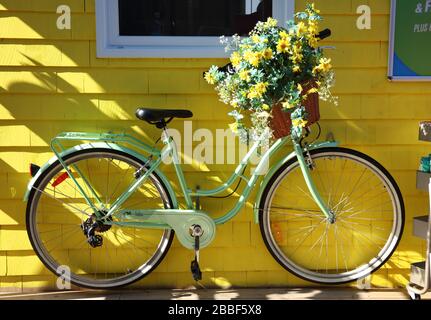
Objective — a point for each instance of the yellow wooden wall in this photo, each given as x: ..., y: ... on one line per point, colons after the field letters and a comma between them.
x: 51, y: 81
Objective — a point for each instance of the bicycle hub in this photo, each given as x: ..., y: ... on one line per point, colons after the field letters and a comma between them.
x: 331, y: 219
x: 196, y: 230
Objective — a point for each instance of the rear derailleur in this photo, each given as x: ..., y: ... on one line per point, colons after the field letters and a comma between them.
x: 90, y: 227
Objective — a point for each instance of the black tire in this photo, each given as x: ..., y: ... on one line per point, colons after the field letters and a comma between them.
x: 31, y: 223
x: 299, y: 267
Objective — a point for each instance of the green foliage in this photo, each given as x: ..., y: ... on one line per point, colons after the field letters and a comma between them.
x: 270, y: 67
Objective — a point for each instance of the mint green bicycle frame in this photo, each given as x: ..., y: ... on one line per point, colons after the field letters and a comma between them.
x: 154, y: 218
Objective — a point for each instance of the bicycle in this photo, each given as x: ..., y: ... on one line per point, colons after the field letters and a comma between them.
x: 327, y: 214
x: 108, y: 213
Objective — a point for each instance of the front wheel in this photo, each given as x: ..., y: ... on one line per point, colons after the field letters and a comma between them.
x: 368, y: 209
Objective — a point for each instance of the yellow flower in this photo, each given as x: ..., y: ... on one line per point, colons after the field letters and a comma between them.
x: 252, y: 94
x: 312, y: 90
x: 324, y: 65
x: 255, y: 38
x: 209, y: 78
x: 312, y: 9
x: 299, y: 122
x: 296, y: 58
x: 297, y: 55
x: 283, y: 34
x: 300, y: 89
x: 234, y: 127
x: 261, y: 87
x: 286, y: 105
x: 265, y: 106
x: 257, y: 90
x: 271, y: 22
x: 248, y: 54
x: 254, y: 61
x: 296, y: 68
x: 267, y: 53
x: 234, y: 103
x: 301, y: 29
x: 283, y: 45
x: 313, y: 28
x: 252, y: 58
x: 258, y: 55
x: 244, y: 75
x: 235, y: 58
x: 313, y: 42
x: 297, y: 48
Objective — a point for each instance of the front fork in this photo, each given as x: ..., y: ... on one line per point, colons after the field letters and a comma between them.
x: 305, y: 168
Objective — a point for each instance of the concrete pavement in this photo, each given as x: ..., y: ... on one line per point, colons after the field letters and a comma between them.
x: 218, y: 294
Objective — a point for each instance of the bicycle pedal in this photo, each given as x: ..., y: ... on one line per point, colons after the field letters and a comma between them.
x: 196, y: 270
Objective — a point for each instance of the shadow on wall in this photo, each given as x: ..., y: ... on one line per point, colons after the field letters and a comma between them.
x: 50, y: 111
x: 40, y: 101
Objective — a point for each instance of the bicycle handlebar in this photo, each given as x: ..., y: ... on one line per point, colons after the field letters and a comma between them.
x: 324, y: 34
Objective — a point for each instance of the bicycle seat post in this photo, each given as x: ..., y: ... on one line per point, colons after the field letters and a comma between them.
x: 165, y: 133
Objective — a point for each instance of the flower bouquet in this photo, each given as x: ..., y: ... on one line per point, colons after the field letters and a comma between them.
x: 275, y: 73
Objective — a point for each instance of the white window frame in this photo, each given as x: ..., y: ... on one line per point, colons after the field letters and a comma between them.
x: 111, y: 45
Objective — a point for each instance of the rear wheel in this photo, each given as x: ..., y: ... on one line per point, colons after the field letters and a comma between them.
x: 57, y: 214
x: 369, y: 217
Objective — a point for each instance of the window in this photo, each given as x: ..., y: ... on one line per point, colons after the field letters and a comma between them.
x: 178, y: 28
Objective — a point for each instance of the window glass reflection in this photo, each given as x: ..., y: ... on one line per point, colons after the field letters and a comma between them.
x: 191, y: 17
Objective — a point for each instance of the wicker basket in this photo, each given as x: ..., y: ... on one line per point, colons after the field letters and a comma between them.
x: 281, y: 123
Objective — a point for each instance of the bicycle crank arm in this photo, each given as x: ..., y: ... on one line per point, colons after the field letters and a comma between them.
x: 180, y: 220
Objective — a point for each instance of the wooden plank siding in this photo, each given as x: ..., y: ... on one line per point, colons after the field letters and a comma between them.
x: 52, y: 81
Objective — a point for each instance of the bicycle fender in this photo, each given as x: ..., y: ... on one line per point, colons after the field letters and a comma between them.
x: 102, y: 145
x: 275, y: 168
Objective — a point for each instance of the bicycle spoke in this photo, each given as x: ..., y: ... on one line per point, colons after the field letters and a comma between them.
x: 118, y: 184
x: 341, y: 176
x: 355, y: 213
x: 63, y: 202
x: 363, y: 224
x: 342, y: 248
x: 368, y: 199
x: 361, y: 233
x: 302, y: 211
x: 297, y: 215
x: 341, y: 203
x: 336, y: 246
x: 327, y: 249
x: 305, y: 237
